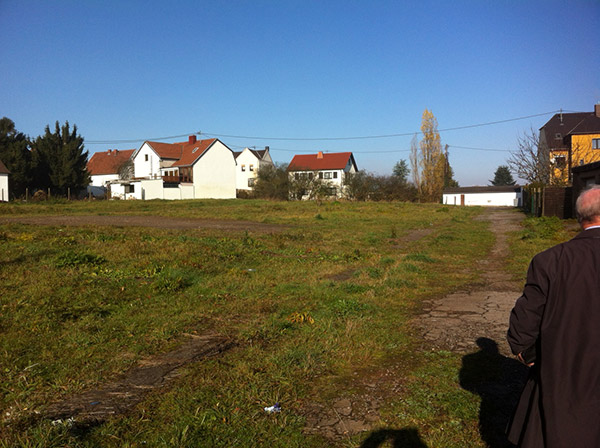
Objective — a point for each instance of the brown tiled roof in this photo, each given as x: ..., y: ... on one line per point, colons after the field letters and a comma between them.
x: 589, y: 125
x: 108, y: 162
x: 3, y: 169
x: 321, y: 161
x: 562, y: 125
x: 190, y: 152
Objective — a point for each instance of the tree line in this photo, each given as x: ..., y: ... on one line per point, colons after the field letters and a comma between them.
x: 429, y: 165
x: 55, y: 160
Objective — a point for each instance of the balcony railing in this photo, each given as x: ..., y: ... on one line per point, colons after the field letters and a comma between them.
x: 177, y: 179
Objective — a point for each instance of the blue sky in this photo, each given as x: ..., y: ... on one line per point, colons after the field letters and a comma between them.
x: 137, y: 70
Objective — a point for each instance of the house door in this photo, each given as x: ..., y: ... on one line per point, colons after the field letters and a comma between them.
x: 462, y: 199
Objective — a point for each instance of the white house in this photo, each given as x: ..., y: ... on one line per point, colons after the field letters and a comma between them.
x: 187, y: 170
x: 249, y: 162
x: 104, y: 168
x: 500, y: 196
x: 332, y: 168
x: 3, y: 182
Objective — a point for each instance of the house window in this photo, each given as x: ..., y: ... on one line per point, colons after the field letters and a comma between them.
x: 251, y: 167
x: 145, y: 157
x: 335, y: 174
x: 251, y: 182
x: 596, y: 143
x: 328, y: 175
x: 560, y: 162
x: 129, y: 188
x: 243, y: 167
x: 320, y: 175
x: 558, y: 136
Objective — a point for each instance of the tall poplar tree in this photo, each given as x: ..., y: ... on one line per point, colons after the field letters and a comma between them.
x: 61, y: 160
x: 432, y: 166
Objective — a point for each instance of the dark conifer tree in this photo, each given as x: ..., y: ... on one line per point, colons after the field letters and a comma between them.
x: 61, y: 160
x: 15, y: 154
x: 502, y: 176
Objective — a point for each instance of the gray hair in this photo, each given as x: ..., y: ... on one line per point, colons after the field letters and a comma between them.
x: 588, y: 210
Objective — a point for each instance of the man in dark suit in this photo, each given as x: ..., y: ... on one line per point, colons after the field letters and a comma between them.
x: 555, y: 329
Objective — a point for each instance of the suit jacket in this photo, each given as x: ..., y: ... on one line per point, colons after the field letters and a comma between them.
x: 559, y: 312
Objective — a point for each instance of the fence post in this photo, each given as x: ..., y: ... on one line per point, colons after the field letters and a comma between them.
x: 26, y: 194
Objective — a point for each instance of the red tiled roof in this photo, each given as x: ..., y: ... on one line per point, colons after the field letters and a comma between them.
x: 327, y: 161
x: 190, y: 152
x: 108, y: 162
x: 167, y: 150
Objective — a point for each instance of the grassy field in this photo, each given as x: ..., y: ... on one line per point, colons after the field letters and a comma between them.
x: 80, y: 305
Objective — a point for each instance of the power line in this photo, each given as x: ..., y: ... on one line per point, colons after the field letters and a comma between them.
x: 110, y: 142
x: 480, y: 149
x: 364, y: 137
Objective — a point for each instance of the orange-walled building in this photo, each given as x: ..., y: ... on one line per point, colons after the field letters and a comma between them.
x: 572, y: 139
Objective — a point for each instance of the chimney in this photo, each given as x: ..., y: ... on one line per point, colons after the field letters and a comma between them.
x: 109, y: 152
x: 597, y: 110
x: 320, y: 155
x: 116, y: 151
x: 266, y: 148
x: 192, y: 139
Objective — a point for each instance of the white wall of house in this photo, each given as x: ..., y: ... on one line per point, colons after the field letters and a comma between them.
x: 247, y: 168
x: 4, y: 187
x: 509, y: 199
x: 125, y: 191
x: 146, y: 163
x: 214, y: 173
x: 100, y: 180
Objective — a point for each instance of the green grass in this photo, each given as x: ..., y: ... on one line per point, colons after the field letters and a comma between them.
x: 537, y: 235
x: 80, y: 305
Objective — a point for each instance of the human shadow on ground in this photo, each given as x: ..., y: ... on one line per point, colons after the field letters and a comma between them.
x: 400, y: 438
x: 498, y: 380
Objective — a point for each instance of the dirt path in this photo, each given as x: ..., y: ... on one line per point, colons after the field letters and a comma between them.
x: 162, y: 222
x: 122, y: 394
x: 454, y: 322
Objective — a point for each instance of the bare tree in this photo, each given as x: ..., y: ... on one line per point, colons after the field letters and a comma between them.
x: 415, y: 163
x: 531, y: 160
x: 126, y: 170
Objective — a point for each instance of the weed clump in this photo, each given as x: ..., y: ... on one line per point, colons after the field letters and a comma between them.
x: 73, y: 259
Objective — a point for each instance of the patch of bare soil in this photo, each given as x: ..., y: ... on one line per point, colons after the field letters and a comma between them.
x: 161, y: 222
x: 459, y: 322
x: 122, y: 394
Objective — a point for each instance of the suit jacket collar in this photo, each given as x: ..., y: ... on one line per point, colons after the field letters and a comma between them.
x: 592, y: 233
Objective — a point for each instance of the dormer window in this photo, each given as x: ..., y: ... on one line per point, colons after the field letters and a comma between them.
x: 557, y: 136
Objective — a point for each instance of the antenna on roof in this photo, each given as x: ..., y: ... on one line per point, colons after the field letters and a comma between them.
x: 561, y: 122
